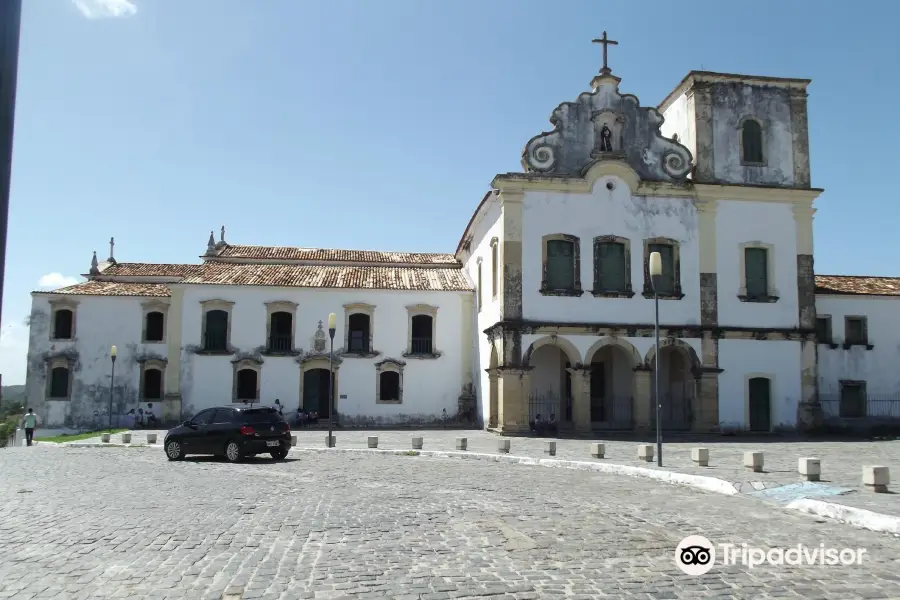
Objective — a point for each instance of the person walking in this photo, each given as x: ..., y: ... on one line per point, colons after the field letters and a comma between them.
x: 29, y: 421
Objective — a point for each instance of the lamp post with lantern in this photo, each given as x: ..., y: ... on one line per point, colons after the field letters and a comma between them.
x: 655, y: 276
x: 332, y: 326
x: 112, y: 382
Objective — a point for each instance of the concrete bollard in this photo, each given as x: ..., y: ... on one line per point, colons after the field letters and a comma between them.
x: 373, y: 441
x: 645, y: 452
x: 754, y: 460
x: 503, y: 446
x: 151, y: 438
x: 104, y: 438
x: 126, y: 438
x: 550, y: 448
x: 876, y: 479
x: 333, y: 441
x: 461, y: 443
x: 293, y: 440
x: 417, y: 443
x: 700, y: 456
x: 810, y: 468
x: 598, y: 450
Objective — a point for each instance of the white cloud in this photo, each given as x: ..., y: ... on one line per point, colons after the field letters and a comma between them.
x: 52, y: 281
x: 13, y: 352
x: 106, y: 9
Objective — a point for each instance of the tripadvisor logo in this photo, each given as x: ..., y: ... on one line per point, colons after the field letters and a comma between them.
x: 696, y: 555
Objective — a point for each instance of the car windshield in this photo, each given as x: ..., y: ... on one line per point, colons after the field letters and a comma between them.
x: 260, y: 415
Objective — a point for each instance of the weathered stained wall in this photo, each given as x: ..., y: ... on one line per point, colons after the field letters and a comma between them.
x: 878, y: 366
x: 100, y: 322
x: 430, y: 386
x: 679, y: 120
x: 767, y: 223
x: 780, y: 361
x: 609, y: 212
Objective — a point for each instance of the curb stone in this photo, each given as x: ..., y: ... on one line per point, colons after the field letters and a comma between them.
x: 851, y: 515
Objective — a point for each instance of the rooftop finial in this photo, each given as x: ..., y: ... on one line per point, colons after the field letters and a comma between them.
x: 95, y: 266
x: 606, y: 43
x: 212, y: 241
x: 112, y: 247
x: 222, y: 235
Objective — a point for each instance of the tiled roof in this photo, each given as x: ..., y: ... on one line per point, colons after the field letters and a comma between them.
x: 316, y: 276
x: 150, y: 270
x: 857, y: 285
x: 276, y: 253
x: 113, y: 288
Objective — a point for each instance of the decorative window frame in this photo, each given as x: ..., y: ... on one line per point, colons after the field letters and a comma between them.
x: 612, y: 239
x: 388, y: 365
x: 830, y: 341
x: 479, y: 287
x: 312, y: 362
x: 285, y: 306
x: 359, y: 308
x: 152, y: 364
x: 415, y: 310
x: 576, y: 260
x: 762, y: 141
x: 676, y: 258
x: 495, y: 267
x: 205, y: 307
x: 54, y: 363
x: 772, y: 292
x: 866, y: 343
x: 56, y: 305
x: 151, y: 306
x: 771, y: 378
x: 237, y: 367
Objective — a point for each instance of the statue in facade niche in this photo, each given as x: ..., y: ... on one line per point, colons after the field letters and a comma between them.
x: 605, y: 139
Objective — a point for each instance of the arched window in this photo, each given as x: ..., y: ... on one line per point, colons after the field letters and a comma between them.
x: 389, y: 390
x: 152, y: 384
x: 247, y: 385
x: 752, y: 142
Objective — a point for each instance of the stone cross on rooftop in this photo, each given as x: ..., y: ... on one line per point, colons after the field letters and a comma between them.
x: 606, y: 43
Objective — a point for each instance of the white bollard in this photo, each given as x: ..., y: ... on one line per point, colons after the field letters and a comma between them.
x: 598, y: 450
x: 373, y: 441
x: 550, y: 448
x: 333, y: 442
x: 754, y: 461
x: 503, y: 446
x: 876, y: 479
x: 461, y: 443
x: 417, y: 443
x: 700, y: 456
x: 104, y: 438
x: 126, y: 438
x: 645, y: 452
x: 151, y: 438
x: 293, y: 440
x: 810, y: 468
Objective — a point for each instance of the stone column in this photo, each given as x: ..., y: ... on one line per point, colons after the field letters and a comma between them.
x: 700, y: 96
x: 171, y: 408
x: 706, y: 413
x: 512, y: 389
x: 800, y: 137
x: 493, y: 377
x: 581, y: 398
x: 643, y: 398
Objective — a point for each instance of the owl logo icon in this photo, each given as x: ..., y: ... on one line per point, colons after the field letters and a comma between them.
x: 695, y: 555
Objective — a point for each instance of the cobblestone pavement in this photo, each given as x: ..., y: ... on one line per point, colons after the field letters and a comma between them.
x: 842, y: 462
x: 120, y: 523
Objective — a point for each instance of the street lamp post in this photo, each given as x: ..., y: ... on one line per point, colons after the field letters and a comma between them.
x: 112, y: 382
x: 655, y: 275
x: 332, y: 326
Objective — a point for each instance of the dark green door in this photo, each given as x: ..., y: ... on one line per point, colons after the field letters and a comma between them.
x: 316, y: 392
x: 760, y: 404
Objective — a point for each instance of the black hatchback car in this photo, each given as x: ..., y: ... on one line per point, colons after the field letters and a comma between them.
x: 234, y: 432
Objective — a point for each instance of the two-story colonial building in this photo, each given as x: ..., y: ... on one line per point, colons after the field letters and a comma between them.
x: 546, y: 310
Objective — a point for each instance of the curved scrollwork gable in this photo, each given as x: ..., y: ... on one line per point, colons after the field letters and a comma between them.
x: 606, y: 125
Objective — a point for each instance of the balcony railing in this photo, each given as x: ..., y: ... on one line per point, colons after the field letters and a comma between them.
x: 422, y: 345
x: 215, y: 341
x: 279, y: 342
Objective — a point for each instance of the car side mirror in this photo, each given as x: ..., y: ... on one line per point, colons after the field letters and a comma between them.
x: 188, y: 424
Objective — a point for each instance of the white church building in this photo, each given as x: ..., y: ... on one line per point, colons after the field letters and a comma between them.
x: 545, y: 309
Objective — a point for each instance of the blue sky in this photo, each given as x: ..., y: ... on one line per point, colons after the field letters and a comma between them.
x: 364, y: 124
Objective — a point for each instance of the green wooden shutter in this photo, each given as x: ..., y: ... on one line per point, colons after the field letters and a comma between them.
x: 560, y: 265
x: 756, y: 268
x: 611, y: 257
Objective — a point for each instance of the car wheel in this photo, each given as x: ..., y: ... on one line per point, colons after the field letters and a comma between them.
x: 232, y: 452
x: 174, y: 450
x: 279, y: 454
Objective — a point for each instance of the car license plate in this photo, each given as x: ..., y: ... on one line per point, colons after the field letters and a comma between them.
x: 273, y: 444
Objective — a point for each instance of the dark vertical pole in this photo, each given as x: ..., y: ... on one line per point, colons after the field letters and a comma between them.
x: 656, y: 383
x: 10, y: 22
x: 112, y: 383
x: 330, y: 388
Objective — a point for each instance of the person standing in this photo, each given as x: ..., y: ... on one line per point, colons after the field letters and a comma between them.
x: 29, y: 421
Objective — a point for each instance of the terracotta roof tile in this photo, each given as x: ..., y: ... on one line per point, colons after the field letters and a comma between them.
x: 315, y: 276
x: 113, y: 288
x: 150, y: 270
x: 857, y: 285
x: 277, y: 253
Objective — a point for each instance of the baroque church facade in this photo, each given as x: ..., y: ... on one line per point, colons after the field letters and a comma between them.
x: 546, y: 309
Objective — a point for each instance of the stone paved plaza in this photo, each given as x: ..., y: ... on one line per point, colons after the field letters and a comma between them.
x: 126, y: 523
